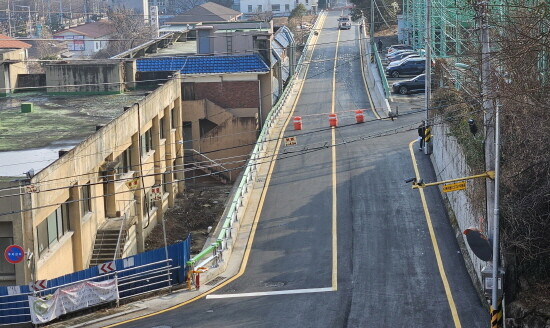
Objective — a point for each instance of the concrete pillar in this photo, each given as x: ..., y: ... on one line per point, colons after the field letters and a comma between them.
x: 170, y: 154
x: 130, y: 74
x: 138, y: 194
x: 75, y: 225
x: 178, y: 114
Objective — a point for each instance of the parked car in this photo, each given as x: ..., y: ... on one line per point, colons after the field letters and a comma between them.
x: 344, y: 23
x: 401, y: 55
x: 415, y: 84
x: 404, y: 59
x: 411, y: 66
x: 397, y: 47
x: 395, y: 53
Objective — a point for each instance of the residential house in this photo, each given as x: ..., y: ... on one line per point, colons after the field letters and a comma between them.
x: 13, y: 56
x: 85, y: 40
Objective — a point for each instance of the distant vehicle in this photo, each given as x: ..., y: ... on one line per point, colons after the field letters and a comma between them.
x: 344, y: 22
x: 415, y: 84
x: 397, y: 47
x: 412, y: 66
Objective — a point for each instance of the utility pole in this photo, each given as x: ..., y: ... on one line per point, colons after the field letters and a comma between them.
x: 488, y: 109
x: 9, y: 20
x: 491, y: 120
x: 372, y: 21
x: 428, y: 71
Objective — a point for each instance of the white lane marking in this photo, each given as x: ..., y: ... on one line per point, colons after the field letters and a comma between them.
x: 274, y: 292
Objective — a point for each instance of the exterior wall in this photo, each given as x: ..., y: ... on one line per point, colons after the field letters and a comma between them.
x: 63, y: 181
x: 7, y: 204
x: 109, y: 75
x: 10, y: 71
x: 448, y: 161
x: 242, y: 128
x: 266, y: 90
x: 229, y: 94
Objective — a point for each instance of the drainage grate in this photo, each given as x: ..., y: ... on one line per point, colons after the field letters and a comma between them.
x: 215, y: 281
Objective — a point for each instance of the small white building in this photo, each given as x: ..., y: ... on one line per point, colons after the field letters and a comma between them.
x: 276, y: 7
x: 84, y: 41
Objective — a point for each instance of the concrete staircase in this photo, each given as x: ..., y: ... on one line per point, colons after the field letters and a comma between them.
x: 105, y: 246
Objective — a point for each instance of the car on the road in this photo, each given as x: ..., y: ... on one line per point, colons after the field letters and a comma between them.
x: 412, y: 66
x: 416, y: 84
x: 344, y: 22
x: 397, y: 47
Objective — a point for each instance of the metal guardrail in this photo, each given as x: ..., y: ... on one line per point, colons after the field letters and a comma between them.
x: 216, y: 248
x: 381, y: 70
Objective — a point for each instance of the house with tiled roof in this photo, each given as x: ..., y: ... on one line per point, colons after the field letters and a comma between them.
x: 83, y: 41
x: 13, y: 56
x: 206, y: 13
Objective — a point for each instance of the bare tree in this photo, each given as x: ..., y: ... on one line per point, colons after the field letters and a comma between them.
x: 130, y: 31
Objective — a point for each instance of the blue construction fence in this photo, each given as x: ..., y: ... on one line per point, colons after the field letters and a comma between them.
x: 14, y: 305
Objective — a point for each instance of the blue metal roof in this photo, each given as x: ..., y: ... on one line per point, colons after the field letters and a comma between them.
x: 204, y: 64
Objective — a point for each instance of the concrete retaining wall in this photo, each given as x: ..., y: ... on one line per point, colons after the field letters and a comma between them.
x: 449, y: 163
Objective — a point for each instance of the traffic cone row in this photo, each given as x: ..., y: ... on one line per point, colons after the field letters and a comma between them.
x: 332, y: 119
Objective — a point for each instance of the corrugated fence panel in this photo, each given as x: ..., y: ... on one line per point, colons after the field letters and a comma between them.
x: 15, y: 309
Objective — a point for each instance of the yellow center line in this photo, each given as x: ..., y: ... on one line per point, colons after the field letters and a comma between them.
x: 438, y: 258
x: 334, y: 202
x: 246, y: 256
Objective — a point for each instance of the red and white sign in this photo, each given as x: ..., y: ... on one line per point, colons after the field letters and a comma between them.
x: 38, y: 285
x: 14, y: 254
x: 107, y: 267
x: 155, y: 194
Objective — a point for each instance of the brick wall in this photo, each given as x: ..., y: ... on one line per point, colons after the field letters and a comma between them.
x: 233, y: 94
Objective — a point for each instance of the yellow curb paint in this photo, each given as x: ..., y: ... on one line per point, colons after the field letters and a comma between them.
x: 256, y: 217
x: 438, y: 258
x: 334, y: 200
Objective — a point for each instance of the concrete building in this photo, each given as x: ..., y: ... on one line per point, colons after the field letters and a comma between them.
x: 275, y: 7
x: 83, y: 41
x: 90, y: 164
x: 13, y: 56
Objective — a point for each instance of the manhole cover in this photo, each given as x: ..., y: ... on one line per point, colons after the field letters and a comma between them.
x: 215, y: 281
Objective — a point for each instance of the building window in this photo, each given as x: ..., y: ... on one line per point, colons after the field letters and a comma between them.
x: 287, y: 7
x: 173, y: 118
x: 161, y: 128
x: 146, y: 142
x: 51, y: 230
x: 124, y: 163
x: 297, y: 2
x: 249, y: 8
x: 174, y: 173
x: 307, y: 2
x: 85, y: 199
x: 275, y: 7
x: 260, y: 8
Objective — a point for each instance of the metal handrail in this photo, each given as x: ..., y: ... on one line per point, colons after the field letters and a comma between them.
x: 211, y: 161
x: 381, y: 70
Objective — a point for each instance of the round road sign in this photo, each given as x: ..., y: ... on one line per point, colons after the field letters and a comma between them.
x: 14, y: 254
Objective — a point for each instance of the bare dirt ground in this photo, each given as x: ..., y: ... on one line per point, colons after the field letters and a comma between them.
x: 196, y: 209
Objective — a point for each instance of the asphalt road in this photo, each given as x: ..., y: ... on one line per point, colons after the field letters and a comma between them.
x: 384, y: 271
